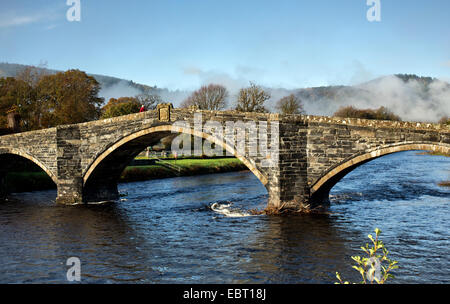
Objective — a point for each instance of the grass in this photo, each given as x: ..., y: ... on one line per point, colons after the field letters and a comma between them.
x: 433, y: 153
x: 188, y: 167
x: 28, y: 181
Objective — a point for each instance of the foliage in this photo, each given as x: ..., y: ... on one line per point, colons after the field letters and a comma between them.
x: 18, y: 93
x: 68, y: 98
x: 381, y: 113
x: 212, y: 97
x: 423, y: 80
x: 375, y: 267
x: 122, y: 106
x: 46, y: 100
x: 290, y: 105
x: 252, y: 99
x: 445, y: 120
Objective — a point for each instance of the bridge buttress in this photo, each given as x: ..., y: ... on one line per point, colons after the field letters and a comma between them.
x: 287, y: 183
x: 69, y: 175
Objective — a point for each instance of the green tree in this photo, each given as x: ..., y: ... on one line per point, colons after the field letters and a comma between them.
x: 68, y: 97
x: 252, y: 99
x: 290, y: 105
x: 122, y: 106
x: 14, y: 92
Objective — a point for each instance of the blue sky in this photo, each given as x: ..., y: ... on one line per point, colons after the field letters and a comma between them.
x: 183, y: 44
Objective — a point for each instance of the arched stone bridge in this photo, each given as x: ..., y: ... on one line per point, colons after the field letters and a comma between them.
x: 85, y: 160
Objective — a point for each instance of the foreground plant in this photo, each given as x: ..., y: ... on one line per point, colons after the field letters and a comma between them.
x: 376, y: 267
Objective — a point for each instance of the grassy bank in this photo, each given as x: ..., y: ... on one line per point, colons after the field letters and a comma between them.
x: 434, y: 153
x: 187, y: 167
x: 28, y: 181
x: 34, y: 181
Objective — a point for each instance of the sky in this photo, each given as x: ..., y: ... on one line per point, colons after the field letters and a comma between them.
x: 183, y: 44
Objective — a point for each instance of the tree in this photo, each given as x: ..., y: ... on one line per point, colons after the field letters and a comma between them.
x: 445, y: 120
x: 252, y: 99
x: 212, y: 97
x: 150, y: 101
x: 122, y: 106
x: 14, y: 92
x: 381, y: 113
x: 32, y: 76
x: 290, y: 105
x: 68, y: 97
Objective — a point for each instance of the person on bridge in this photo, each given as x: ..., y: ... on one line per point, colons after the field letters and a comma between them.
x: 142, y: 109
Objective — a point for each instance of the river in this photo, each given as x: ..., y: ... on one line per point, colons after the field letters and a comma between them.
x: 164, y: 231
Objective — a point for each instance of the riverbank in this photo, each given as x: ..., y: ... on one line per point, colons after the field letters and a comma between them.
x: 434, y: 153
x: 35, y: 181
x: 181, y: 167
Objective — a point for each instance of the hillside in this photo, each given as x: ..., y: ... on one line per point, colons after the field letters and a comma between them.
x: 412, y: 97
x: 111, y: 86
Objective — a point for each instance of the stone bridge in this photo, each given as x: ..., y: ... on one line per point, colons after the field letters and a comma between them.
x: 86, y: 160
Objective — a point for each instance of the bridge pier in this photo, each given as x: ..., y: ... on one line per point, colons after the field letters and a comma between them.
x: 70, y: 191
x: 103, y: 192
x: 3, y: 189
x: 68, y: 162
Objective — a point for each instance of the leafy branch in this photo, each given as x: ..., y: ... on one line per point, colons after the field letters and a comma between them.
x: 376, y: 267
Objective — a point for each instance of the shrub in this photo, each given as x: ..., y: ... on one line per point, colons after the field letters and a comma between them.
x: 375, y: 267
x: 381, y: 113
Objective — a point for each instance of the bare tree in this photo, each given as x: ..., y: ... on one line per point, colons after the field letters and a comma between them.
x: 32, y: 74
x: 212, y: 97
x: 252, y: 99
x: 290, y: 105
x: 148, y: 100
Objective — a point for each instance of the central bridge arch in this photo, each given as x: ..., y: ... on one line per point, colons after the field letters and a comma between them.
x: 320, y: 190
x: 101, y: 176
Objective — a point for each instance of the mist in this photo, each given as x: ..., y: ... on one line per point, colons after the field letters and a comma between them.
x: 117, y: 90
x: 411, y: 100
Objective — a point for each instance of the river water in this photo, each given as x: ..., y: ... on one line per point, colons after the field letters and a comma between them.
x: 165, y: 231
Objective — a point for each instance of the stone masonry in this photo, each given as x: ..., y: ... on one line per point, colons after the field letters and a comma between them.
x: 85, y: 160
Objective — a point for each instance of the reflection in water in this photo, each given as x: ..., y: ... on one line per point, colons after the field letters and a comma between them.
x: 165, y: 231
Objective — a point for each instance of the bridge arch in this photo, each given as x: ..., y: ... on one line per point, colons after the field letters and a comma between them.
x: 321, y: 188
x: 127, y: 148
x: 18, y: 152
